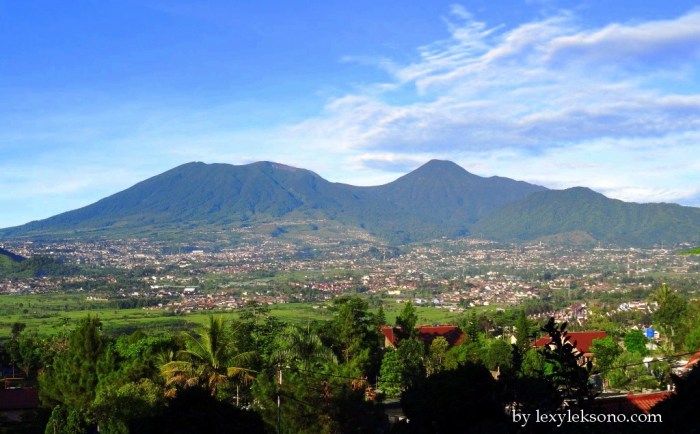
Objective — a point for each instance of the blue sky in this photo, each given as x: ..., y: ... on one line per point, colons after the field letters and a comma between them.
x: 96, y: 96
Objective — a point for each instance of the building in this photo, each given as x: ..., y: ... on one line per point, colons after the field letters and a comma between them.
x: 582, y: 341
x: 427, y: 333
x: 629, y: 404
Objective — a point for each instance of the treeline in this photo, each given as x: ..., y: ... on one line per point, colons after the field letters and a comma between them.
x: 135, y: 302
x: 257, y: 374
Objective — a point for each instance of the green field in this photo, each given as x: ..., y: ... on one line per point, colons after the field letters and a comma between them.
x: 695, y: 251
x: 426, y: 315
x: 55, y: 313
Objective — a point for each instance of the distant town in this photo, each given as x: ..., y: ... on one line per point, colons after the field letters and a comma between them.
x: 452, y: 275
x: 622, y: 318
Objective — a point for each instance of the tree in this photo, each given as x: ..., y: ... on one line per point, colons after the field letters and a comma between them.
x: 24, y: 351
x: 29, y: 354
x: 661, y: 371
x: 669, y: 315
x: 305, y: 347
x: 636, y: 342
x: 257, y: 336
x: 17, y: 328
x: 453, y: 358
x: 380, y: 317
x: 532, y: 364
x: 73, y: 378
x: 140, y: 356
x: 564, y: 367
x: 599, y: 319
x: 390, y: 374
x: 192, y: 411
x: 406, y: 322
x: 525, y: 387
x: 692, y: 339
x: 323, y: 401
x: 437, y: 355
x: 209, y: 361
x: 496, y: 354
x: 354, y: 336
x: 460, y: 400
x: 66, y: 421
x: 629, y: 373
x: 605, y: 351
x: 411, y: 353
x: 472, y: 328
x: 122, y: 408
x: 523, y: 332
x: 254, y: 310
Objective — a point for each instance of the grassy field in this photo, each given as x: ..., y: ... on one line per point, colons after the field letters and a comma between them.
x: 694, y: 251
x: 55, y: 313
x: 426, y: 315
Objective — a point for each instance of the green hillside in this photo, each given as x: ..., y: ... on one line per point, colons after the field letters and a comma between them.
x: 8, y: 260
x: 583, y: 211
x: 13, y: 266
x: 438, y: 200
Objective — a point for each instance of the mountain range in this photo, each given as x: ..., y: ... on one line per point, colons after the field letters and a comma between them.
x: 439, y: 199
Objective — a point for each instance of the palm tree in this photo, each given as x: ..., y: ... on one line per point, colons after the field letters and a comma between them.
x: 304, y: 346
x: 209, y: 360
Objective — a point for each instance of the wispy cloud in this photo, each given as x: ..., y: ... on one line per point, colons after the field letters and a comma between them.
x: 668, y: 41
x: 503, y: 98
x: 393, y: 163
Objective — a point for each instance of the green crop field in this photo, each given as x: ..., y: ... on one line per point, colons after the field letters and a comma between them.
x: 55, y: 313
x: 695, y: 251
x: 426, y: 314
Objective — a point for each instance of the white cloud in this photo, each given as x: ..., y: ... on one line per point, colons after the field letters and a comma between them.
x: 546, y: 93
x: 673, y: 40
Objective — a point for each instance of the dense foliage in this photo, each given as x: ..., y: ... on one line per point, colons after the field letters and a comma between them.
x: 258, y: 374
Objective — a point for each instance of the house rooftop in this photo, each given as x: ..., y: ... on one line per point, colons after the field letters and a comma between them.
x: 630, y: 403
x: 581, y: 340
x: 694, y: 360
x: 427, y: 333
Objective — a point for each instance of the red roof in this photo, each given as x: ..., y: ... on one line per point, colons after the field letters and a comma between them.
x: 581, y: 340
x: 694, y: 360
x: 630, y: 404
x: 24, y: 398
x: 452, y: 333
x: 427, y: 334
x: 389, y: 334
